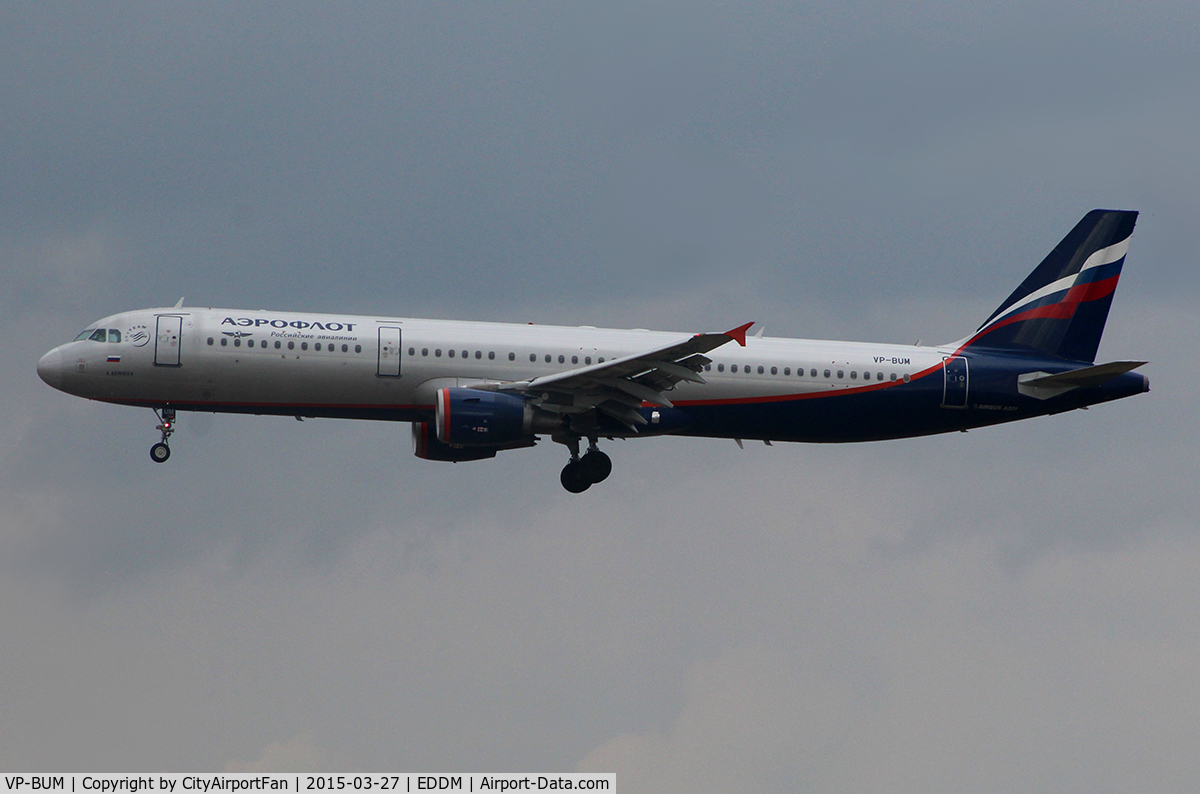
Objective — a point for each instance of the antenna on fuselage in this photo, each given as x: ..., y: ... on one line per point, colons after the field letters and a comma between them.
x: 178, y: 303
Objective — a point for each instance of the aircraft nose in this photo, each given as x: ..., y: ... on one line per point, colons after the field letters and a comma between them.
x: 50, y: 368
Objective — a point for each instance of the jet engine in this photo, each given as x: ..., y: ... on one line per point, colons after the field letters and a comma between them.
x: 427, y: 447
x: 477, y: 418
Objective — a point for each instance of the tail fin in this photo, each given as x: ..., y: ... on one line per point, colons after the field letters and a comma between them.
x: 1060, y: 309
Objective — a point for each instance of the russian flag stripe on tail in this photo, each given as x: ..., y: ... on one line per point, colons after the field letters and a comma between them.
x: 1061, y: 308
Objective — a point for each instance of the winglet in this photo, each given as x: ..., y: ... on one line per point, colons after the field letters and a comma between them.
x: 739, y: 334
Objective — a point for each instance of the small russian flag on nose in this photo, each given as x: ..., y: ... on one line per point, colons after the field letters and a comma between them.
x: 114, y: 359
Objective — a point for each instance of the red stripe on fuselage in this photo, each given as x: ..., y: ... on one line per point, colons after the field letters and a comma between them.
x: 776, y: 398
x: 290, y: 406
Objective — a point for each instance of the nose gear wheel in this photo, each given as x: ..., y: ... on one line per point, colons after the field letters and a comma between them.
x: 166, y: 425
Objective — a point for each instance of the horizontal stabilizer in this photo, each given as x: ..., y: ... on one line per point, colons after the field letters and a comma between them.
x: 1043, y: 385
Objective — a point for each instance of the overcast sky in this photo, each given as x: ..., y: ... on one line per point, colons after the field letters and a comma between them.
x: 1012, y: 609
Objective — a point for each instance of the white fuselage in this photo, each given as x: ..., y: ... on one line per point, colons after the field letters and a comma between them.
x: 325, y: 364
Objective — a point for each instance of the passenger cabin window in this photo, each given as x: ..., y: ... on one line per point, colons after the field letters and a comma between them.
x: 788, y: 371
x: 720, y: 368
x: 291, y: 345
x: 760, y: 369
x: 304, y: 345
x: 451, y: 354
x: 225, y: 341
x: 210, y: 340
x: 412, y: 351
x: 574, y: 359
x: 358, y: 348
x: 278, y: 344
x: 812, y: 373
x: 533, y: 356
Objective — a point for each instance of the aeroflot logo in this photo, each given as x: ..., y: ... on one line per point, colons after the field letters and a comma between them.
x: 255, y: 322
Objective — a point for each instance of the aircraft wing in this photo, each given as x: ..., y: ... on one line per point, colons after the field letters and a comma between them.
x: 620, y: 386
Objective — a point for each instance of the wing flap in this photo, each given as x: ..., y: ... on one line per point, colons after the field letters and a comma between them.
x: 620, y: 386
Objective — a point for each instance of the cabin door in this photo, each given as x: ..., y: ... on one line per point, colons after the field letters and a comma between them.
x: 166, y: 340
x: 389, y: 352
x: 955, y: 393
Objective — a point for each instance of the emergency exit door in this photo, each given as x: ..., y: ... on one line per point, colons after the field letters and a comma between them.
x: 389, y: 352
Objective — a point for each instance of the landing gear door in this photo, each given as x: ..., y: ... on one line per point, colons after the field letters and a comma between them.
x: 166, y: 340
x: 955, y: 394
x: 389, y: 352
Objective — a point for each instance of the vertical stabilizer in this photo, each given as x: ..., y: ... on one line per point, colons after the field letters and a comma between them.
x: 1061, y: 308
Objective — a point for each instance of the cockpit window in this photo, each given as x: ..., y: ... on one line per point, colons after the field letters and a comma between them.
x: 99, y: 336
x: 84, y: 334
x: 114, y: 335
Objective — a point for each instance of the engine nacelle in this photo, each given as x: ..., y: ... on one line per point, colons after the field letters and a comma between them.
x: 427, y: 447
x: 477, y: 418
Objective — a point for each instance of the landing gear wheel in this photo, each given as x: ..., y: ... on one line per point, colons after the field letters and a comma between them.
x: 166, y: 423
x: 596, y: 465
x: 574, y: 478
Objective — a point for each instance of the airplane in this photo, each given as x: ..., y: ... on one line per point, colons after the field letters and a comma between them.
x: 473, y: 389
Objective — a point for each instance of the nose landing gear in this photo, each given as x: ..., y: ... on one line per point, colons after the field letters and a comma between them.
x: 583, y: 472
x: 160, y: 451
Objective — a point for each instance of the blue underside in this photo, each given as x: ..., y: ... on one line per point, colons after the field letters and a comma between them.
x: 900, y: 411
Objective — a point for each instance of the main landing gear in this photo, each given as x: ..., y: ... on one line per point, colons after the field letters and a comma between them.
x: 160, y: 451
x: 583, y: 472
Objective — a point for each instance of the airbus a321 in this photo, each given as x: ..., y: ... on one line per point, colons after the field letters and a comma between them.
x: 474, y: 389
